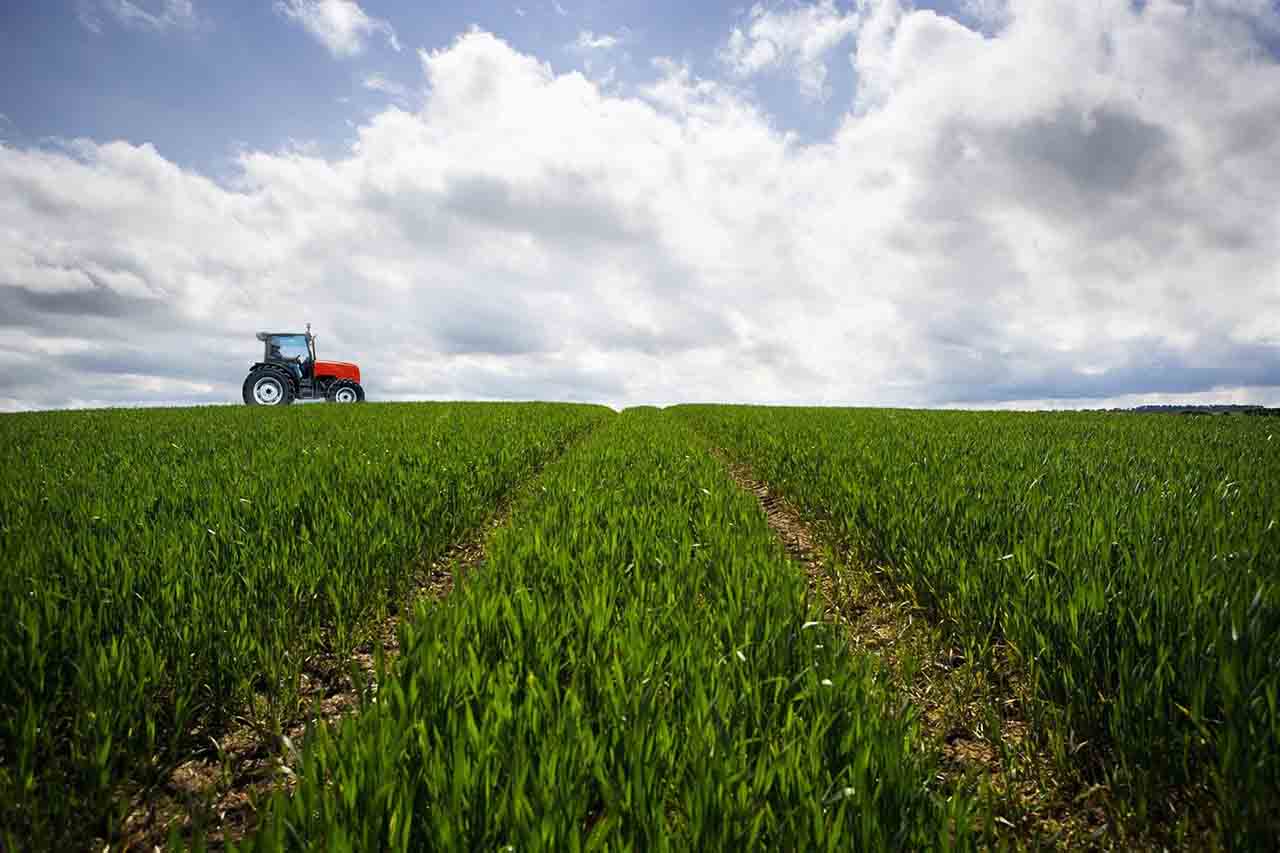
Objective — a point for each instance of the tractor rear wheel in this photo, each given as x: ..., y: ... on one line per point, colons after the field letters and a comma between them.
x: 267, y: 388
x: 345, y: 391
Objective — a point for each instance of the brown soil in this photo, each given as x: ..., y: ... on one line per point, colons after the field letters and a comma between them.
x: 972, y: 714
x: 217, y: 792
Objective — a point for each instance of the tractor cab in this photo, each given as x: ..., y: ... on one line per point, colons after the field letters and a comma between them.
x: 294, y: 350
x: 290, y: 371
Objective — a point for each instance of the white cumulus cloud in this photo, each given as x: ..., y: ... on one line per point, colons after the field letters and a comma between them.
x: 342, y: 26
x: 1076, y: 209
x: 797, y: 38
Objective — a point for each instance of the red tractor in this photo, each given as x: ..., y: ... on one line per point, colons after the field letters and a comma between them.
x: 289, y: 371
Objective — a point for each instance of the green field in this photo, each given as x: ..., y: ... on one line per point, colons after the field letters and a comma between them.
x: 637, y: 663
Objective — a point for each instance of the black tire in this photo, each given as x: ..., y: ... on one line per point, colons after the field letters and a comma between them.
x: 344, y: 391
x: 265, y: 387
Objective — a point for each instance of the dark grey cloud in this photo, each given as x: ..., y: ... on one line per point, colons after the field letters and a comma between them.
x: 166, y: 357
x: 49, y: 382
x: 21, y: 306
x: 1100, y: 152
x: 1141, y: 367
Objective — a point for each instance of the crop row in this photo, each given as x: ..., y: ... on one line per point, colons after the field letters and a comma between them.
x: 160, y: 569
x: 1131, y: 564
x: 636, y: 666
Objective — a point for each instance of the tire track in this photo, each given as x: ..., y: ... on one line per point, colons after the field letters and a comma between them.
x: 958, y: 700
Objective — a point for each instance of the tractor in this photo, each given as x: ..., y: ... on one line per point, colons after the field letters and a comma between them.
x: 289, y: 371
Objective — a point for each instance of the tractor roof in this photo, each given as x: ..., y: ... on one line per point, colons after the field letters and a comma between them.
x: 262, y: 336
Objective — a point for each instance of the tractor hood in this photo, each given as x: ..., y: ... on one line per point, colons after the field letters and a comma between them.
x: 338, y: 370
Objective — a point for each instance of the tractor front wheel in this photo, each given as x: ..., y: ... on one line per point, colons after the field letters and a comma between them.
x: 345, y: 391
x: 267, y: 388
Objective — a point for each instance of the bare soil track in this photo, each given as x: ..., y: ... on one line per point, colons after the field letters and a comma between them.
x: 216, y: 792
x: 971, y: 714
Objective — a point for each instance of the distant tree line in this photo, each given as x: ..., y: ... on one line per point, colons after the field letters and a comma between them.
x: 1232, y: 409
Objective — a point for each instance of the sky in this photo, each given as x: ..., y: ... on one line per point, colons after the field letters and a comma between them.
x: 962, y: 203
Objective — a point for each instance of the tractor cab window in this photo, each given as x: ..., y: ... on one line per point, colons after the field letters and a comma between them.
x: 290, y: 347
